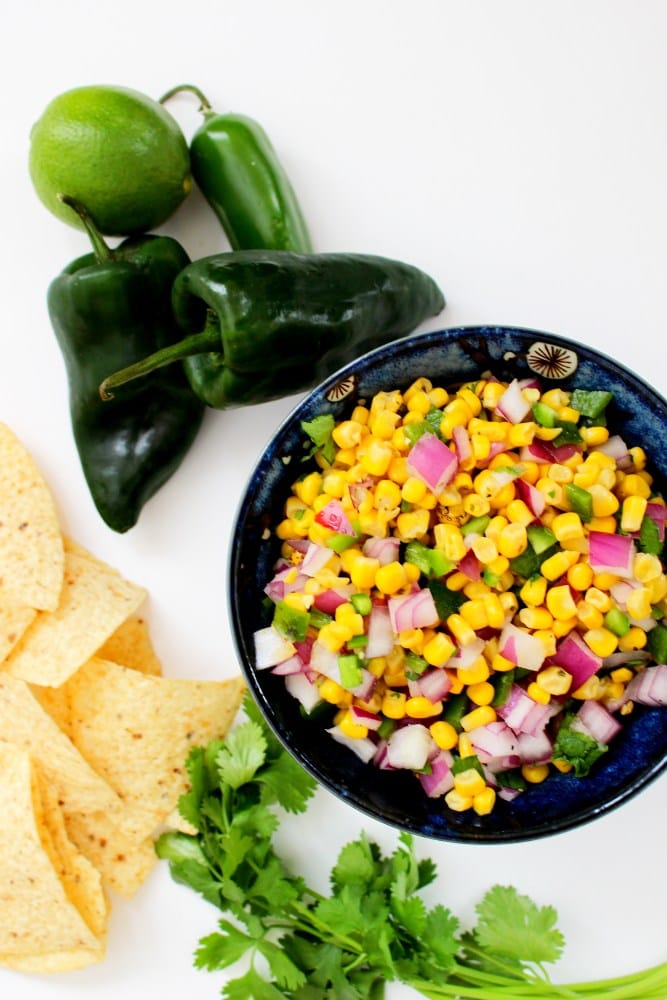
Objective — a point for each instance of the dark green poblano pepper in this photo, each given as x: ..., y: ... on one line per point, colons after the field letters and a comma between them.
x: 109, y: 309
x: 260, y: 325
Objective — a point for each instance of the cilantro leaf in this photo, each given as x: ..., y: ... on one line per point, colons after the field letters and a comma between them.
x: 251, y: 986
x: 242, y: 754
x: 284, y: 781
x: 217, y: 951
x: 577, y: 748
x: 512, y: 924
x: 320, y: 430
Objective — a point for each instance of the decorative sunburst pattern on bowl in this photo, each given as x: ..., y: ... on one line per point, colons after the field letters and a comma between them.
x: 342, y: 389
x: 551, y: 360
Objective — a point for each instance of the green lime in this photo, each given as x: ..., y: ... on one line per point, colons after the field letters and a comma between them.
x: 114, y: 150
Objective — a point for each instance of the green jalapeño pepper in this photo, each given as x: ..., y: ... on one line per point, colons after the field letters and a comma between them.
x: 264, y: 324
x: 107, y: 309
x: 238, y: 172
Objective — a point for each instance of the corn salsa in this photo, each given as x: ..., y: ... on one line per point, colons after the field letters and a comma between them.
x: 471, y: 578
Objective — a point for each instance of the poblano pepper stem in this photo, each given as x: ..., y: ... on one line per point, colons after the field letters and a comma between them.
x: 260, y: 325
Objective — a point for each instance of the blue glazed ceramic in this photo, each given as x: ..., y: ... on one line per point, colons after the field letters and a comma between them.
x: 446, y: 357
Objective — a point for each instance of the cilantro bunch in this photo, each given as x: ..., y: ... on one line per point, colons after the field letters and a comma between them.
x: 373, y: 928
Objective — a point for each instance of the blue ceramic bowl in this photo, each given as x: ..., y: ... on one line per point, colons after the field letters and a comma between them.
x: 639, y: 413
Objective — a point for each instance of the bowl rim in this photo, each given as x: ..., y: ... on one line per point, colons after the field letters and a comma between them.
x: 580, y: 816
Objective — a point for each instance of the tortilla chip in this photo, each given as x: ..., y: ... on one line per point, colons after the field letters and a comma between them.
x: 68, y: 960
x: 131, y: 646
x: 95, y: 600
x: 136, y: 730
x: 24, y: 723
x: 14, y: 620
x: 123, y: 862
x: 31, y: 546
x: 36, y: 915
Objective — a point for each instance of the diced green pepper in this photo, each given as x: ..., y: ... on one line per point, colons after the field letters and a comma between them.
x: 540, y: 537
x: 471, y: 763
x: 617, y: 622
x: 580, y: 500
x: 590, y: 402
x: 544, y: 415
x: 656, y: 643
x: 340, y: 542
x: 318, y: 619
x: 502, y: 683
x: 357, y: 642
x: 415, y: 665
x: 456, y: 707
x: 447, y: 602
x: 478, y: 525
x: 350, y: 670
x: 291, y: 622
x: 361, y: 603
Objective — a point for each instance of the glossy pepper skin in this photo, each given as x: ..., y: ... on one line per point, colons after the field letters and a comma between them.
x: 238, y: 171
x: 108, y: 309
x: 265, y: 324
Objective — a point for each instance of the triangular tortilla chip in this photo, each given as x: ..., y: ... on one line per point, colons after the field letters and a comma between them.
x: 136, y: 731
x: 131, y: 646
x: 31, y: 546
x: 14, y: 620
x: 36, y: 914
x: 124, y: 863
x: 24, y: 723
x: 95, y: 600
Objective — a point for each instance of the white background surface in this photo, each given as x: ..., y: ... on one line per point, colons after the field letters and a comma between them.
x: 518, y: 152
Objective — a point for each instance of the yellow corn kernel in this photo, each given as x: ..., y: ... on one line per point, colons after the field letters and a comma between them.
x: 567, y: 526
x: 658, y: 589
x: 491, y: 394
x: 596, y: 596
x: 601, y: 641
x: 509, y: 601
x: 421, y: 384
x: 398, y: 468
x: 558, y: 564
x: 481, y: 716
x: 351, y: 619
x: 393, y: 705
x: 438, y: 650
x: 412, y: 638
x: 593, y: 436
x: 554, y: 679
x: 502, y: 497
x: 421, y: 708
x: 548, y: 640
x: 535, y: 773
x: 580, y: 576
x: 612, y: 690
x: 484, y: 801
x: 457, y: 802
x: 546, y: 433
x: 476, y: 673
x: 485, y: 549
x: 634, y: 639
x: 638, y: 603
x: 536, y: 618
x: 413, y: 490
x: 413, y: 524
x: 632, y: 513
x: 638, y: 456
x: 377, y: 665
x: 308, y: 487
x: 348, y: 433
x: 589, y: 690
x: 444, y: 734
x: 465, y: 747
x: 563, y: 766
x: 375, y: 456
x: 352, y: 729
x: 589, y: 615
x: 334, y: 484
x: 332, y: 692
x: 481, y: 449
x: 560, y: 602
x: 499, y: 565
x: 512, y: 540
x: 482, y: 693
x: 495, y: 613
x: 534, y: 592
x: 438, y: 397
x: 560, y: 473
x: 519, y: 512
x: 499, y: 664
x: 457, y: 581
x: 556, y: 398
x: 383, y: 424
x: 521, y: 434
x: 474, y: 613
x: 461, y: 630
x: 646, y: 567
x: 634, y: 485
x: 390, y: 578
x: 418, y: 402
x: 448, y: 537
x: 387, y: 495
x: 364, y: 571
x: 360, y: 414
x: 471, y: 400
x: 562, y: 626
x: 538, y: 693
x: 469, y: 782
x: 475, y: 505
x: 491, y: 429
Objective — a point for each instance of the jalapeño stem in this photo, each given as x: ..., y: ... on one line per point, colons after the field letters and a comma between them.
x: 204, y: 103
x: 103, y: 253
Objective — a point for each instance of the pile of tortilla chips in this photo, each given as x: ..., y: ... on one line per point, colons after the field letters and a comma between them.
x: 93, y: 738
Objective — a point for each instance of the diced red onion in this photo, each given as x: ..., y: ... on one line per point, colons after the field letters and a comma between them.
x: 495, y: 739
x: 522, y: 714
x: 620, y: 591
x: 462, y: 443
x: 533, y: 498
x: 574, y: 656
x: 601, y: 725
x: 534, y: 748
x: 364, y: 691
x: 432, y: 461
x: 649, y: 686
x: 316, y: 558
x: 328, y: 600
x: 304, y: 690
x: 364, y: 748
x: 358, y: 493
x: 333, y: 516
x: 470, y: 566
x: 363, y: 717
x: 271, y: 648
x: 410, y: 747
x: 657, y: 512
x: 466, y: 655
x: 544, y: 451
x: 521, y: 648
x: 609, y: 553
x: 325, y: 661
x: 415, y: 610
x: 620, y: 658
x: 509, y: 794
x: 380, y: 634
x: 433, y: 684
x: 304, y: 649
x: 284, y: 582
x: 440, y: 780
x: 512, y: 405
x: 385, y: 550
x: 294, y: 665
x: 616, y: 448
